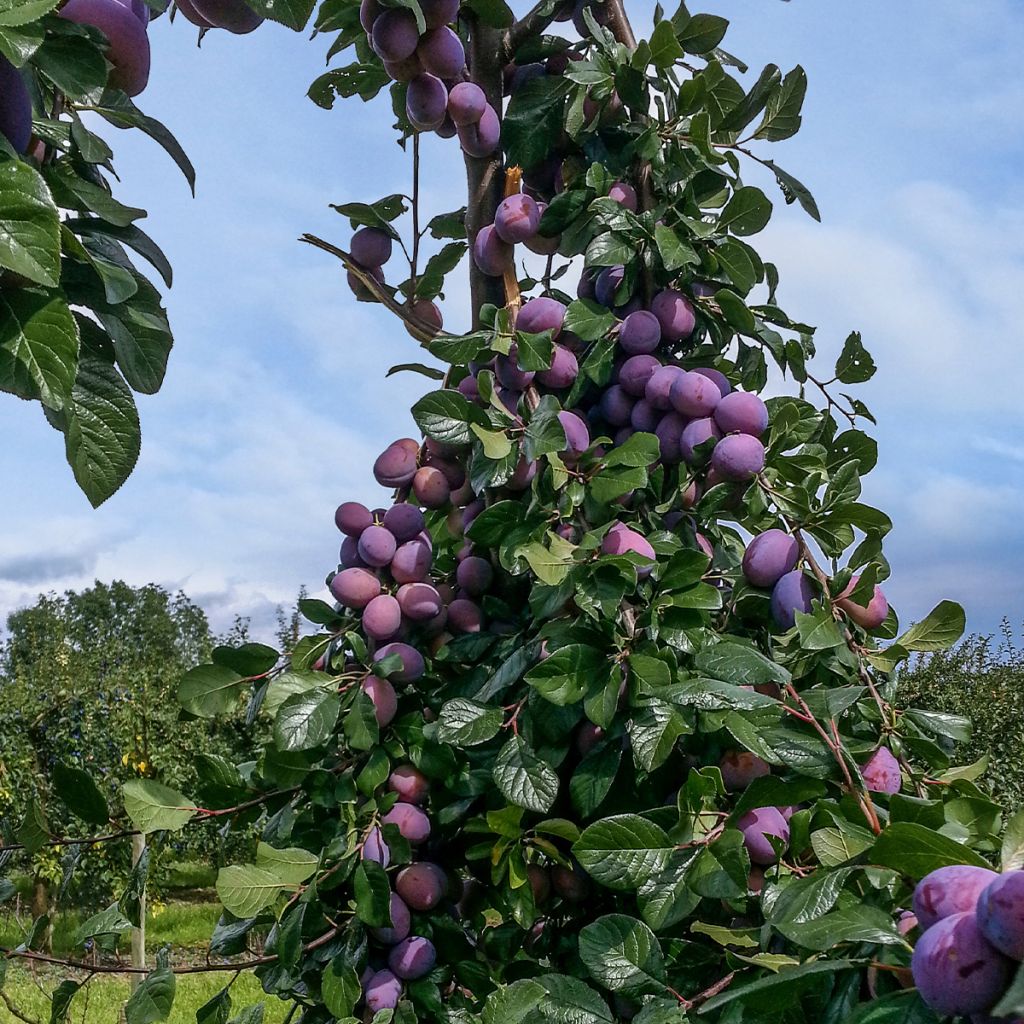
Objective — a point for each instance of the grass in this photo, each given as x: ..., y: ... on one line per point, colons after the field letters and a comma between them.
x: 185, y: 926
x: 101, y: 1001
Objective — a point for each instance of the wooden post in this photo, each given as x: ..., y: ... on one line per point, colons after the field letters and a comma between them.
x: 139, y: 934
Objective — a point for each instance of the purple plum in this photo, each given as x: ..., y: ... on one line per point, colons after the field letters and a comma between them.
x: 1000, y: 913
x: 769, y: 556
x: 759, y: 826
x: 956, y: 970
x: 950, y: 890
x: 793, y: 593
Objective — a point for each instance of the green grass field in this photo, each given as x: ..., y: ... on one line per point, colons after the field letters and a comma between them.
x: 101, y: 1001
x: 184, y: 925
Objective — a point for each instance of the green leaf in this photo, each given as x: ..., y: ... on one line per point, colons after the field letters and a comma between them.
x: 446, y: 416
x: 721, y: 868
x: 665, y: 48
x: 622, y: 954
x: 702, y: 33
x: 571, y: 1001
x: 740, y: 665
x: 894, y: 1008
x: 215, y: 1010
x: 523, y: 778
x: 60, y: 1001
x: 107, y: 922
x: 807, y: 899
x: 293, y: 14
x: 291, y: 865
x: 80, y: 794
x: 210, y: 690
x: 622, y: 851
x: 592, y: 780
x: 653, y: 731
x: 29, y: 224
x: 306, y: 720
x: 915, y: 850
x: 771, y: 791
x: 73, y: 64
x: 854, y: 365
x: 362, y: 80
x: 514, y: 1004
x: 154, y: 807
x: 246, y: 890
x: 640, y: 450
x: 340, y: 988
x: 21, y: 12
x: 152, y: 1000
x: 1012, y: 1002
x: 496, y: 443
x: 849, y: 924
x: 565, y: 676
x: 785, y: 978
x: 38, y: 346
x: 534, y: 119
x: 116, y: 108
x: 33, y: 832
x: 101, y: 430
x: 18, y: 44
x: 1012, y: 852
x: 938, y: 631
x: 431, y: 280
x: 131, y: 900
x: 782, y: 114
x: 373, y: 895
x: 794, y: 190
x: 747, y: 212
x: 465, y: 723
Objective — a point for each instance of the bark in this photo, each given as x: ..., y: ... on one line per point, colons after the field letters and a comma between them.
x: 484, y: 176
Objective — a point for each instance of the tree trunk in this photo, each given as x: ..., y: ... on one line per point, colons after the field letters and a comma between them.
x: 484, y: 176
x: 40, y: 907
x: 139, y: 934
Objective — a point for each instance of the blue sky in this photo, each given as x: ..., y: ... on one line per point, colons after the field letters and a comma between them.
x: 276, y: 401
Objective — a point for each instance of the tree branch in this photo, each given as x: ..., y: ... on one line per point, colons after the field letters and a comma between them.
x: 5, y: 999
x: 532, y: 23
x: 82, y: 965
x: 618, y: 23
x: 484, y: 179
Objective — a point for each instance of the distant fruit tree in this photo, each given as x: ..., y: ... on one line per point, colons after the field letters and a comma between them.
x: 600, y: 724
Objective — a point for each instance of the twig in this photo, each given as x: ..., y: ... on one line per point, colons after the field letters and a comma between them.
x: 532, y: 23
x: 414, y: 262
x: 418, y: 328
x: 6, y: 1000
x: 81, y: 965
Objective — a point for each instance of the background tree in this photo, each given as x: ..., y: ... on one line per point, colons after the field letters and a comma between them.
x: 87, y: 684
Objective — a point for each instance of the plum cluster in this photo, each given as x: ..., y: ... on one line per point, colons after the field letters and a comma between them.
x: 418, y: 888
x: 438, y: 97
x: 770, y: 562
x: 386, y: 564
x: 516, y: 221
x: 972, y: 939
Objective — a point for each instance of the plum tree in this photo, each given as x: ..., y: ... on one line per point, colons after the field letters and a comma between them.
x: 558, y: 742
